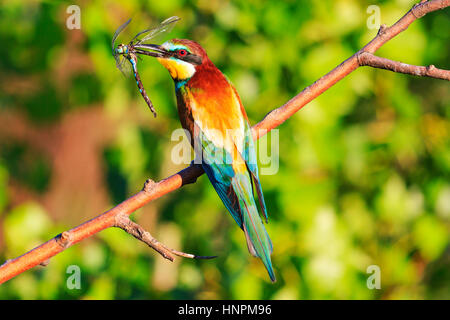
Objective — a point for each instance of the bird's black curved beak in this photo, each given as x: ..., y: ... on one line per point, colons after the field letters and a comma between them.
x: 156, y: 50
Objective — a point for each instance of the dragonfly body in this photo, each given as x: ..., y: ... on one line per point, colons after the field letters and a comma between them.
x: 129, y: 52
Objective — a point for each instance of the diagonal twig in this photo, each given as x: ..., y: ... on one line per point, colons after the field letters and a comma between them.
x: 368, y: 59
x: 124, y: 222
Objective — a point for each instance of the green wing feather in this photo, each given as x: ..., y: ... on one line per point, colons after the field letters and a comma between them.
x: 235, y: 189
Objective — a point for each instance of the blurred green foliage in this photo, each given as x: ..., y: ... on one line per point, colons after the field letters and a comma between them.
x: 364, y: 169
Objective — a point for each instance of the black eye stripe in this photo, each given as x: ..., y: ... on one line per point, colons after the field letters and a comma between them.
x: 188, y: 57
x: 192, y: 58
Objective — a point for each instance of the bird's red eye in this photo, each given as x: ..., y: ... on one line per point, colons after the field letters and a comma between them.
x: 182, y: 53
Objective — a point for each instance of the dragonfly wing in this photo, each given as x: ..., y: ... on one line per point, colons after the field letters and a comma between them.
x: 123, y: 65
x: 165, y: 26
x: 119, y: 30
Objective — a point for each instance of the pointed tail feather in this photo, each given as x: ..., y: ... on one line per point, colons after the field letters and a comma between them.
x: 263, y: 254
x: 258, y: 241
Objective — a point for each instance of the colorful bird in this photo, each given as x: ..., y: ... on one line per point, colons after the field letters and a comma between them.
x: 211, y: 110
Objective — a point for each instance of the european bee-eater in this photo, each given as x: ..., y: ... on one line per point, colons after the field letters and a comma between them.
x: 211, y: 110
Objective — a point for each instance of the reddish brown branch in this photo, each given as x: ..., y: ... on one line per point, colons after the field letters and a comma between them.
x: 118, y: 215
x: 368, y: 59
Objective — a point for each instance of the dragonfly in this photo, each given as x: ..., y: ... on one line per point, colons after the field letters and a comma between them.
x: 137, y: 45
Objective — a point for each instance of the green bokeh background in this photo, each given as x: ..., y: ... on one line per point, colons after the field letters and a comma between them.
x: 363, y: 174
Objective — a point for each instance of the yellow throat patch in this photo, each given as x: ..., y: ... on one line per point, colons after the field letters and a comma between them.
x: 179, y: 70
